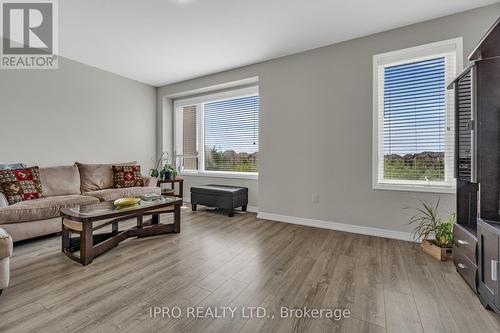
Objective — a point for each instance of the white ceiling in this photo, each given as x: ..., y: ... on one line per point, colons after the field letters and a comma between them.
x: 165, y: 41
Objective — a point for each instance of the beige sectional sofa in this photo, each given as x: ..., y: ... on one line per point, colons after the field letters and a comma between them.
x: 5, y: 253
x: 65, y: 186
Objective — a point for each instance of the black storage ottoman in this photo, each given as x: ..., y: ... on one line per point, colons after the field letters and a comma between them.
x: 221, y: 196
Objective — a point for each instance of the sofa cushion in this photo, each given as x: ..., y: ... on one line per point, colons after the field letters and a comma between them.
x: 96, y: 177
x: 43, y: 208
x: 32, y: 229
x: 21, y: 184
x: 3, y: 200
x: 127, y: 176
x: 150, y: 181
x: 5, y: 244
x: 60, y: 180
x: 117, y: 193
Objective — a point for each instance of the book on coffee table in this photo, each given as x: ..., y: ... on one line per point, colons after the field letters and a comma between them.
x: 150, y: 196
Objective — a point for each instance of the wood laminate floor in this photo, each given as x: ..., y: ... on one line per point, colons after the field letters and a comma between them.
x: 217, y: 261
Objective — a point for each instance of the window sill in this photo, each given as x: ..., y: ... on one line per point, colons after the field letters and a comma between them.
x: 451, y: 189
x: 236, y: 175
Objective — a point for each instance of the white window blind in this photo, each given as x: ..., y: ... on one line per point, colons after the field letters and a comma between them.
x: 190, y: 137
x: 415, y: 117
x: 219, y: 133
x: 232, y: 134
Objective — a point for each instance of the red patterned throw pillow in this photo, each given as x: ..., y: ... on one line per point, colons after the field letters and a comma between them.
x: 127, y: 176
x: 21, y: 184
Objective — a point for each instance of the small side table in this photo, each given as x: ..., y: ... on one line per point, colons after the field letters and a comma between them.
x: 172, y: 182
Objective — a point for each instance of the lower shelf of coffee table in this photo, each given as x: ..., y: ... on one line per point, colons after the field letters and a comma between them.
x: 96, y: 239
x: 78, y: 248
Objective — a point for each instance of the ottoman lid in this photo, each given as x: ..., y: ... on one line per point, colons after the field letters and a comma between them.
x: 5, y: 244
x: 221, y: 190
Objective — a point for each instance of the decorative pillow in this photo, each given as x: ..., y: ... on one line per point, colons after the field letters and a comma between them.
x: 127, y: 176
x: 21, y: 184
x: 12, y: 166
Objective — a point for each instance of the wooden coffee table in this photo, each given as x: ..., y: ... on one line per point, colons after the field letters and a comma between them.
x: 87, y: 222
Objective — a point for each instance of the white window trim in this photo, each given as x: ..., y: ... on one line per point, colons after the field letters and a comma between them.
x: 443, y: 48
x: 220, y: 174
x: 209, y: 98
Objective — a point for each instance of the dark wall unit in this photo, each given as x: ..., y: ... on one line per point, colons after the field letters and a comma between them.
x: 488, y: 106
x: 466, y: 150
x: 477, y: 137
x: 489, y: 256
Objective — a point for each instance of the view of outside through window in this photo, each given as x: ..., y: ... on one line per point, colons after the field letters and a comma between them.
x: 414, y: 121
x: 231, y: 135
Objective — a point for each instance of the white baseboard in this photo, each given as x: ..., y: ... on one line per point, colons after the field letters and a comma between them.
x: 357, y: 229
x: 251, y: 209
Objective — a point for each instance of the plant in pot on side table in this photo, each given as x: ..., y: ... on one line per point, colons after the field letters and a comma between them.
x: 165, y: 173
x: 162, y: 169
x: 168, y: 172
x: 430, y: 224
x: 157, y: 169
x: 167, y: 181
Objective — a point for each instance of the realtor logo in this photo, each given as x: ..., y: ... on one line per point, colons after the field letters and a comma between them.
x: 29, y: 34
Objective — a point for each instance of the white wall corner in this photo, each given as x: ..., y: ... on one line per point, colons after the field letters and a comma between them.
x: 357, y: 229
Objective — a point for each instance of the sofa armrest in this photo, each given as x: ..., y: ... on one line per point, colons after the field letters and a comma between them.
x: 3, y: 201
x: 150, y: 181
x: 6, y: 246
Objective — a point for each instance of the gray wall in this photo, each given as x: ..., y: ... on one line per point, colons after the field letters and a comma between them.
x: 75, y: 113
x: 316, y: 125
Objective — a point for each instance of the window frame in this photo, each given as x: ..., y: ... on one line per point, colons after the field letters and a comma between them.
x: 200, y: 101
x: 451, y: 47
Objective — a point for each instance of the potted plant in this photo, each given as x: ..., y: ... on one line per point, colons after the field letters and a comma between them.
x: 430, y: 224
x: 157, y: 165
x: 169, y: 172
x: 162, y: 168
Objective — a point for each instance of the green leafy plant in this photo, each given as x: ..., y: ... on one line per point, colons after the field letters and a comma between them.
x: 429, y: 223
x: 154, y: 173
x: 158, y: 168
x: 169, y: 169
x: 444, y: 233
